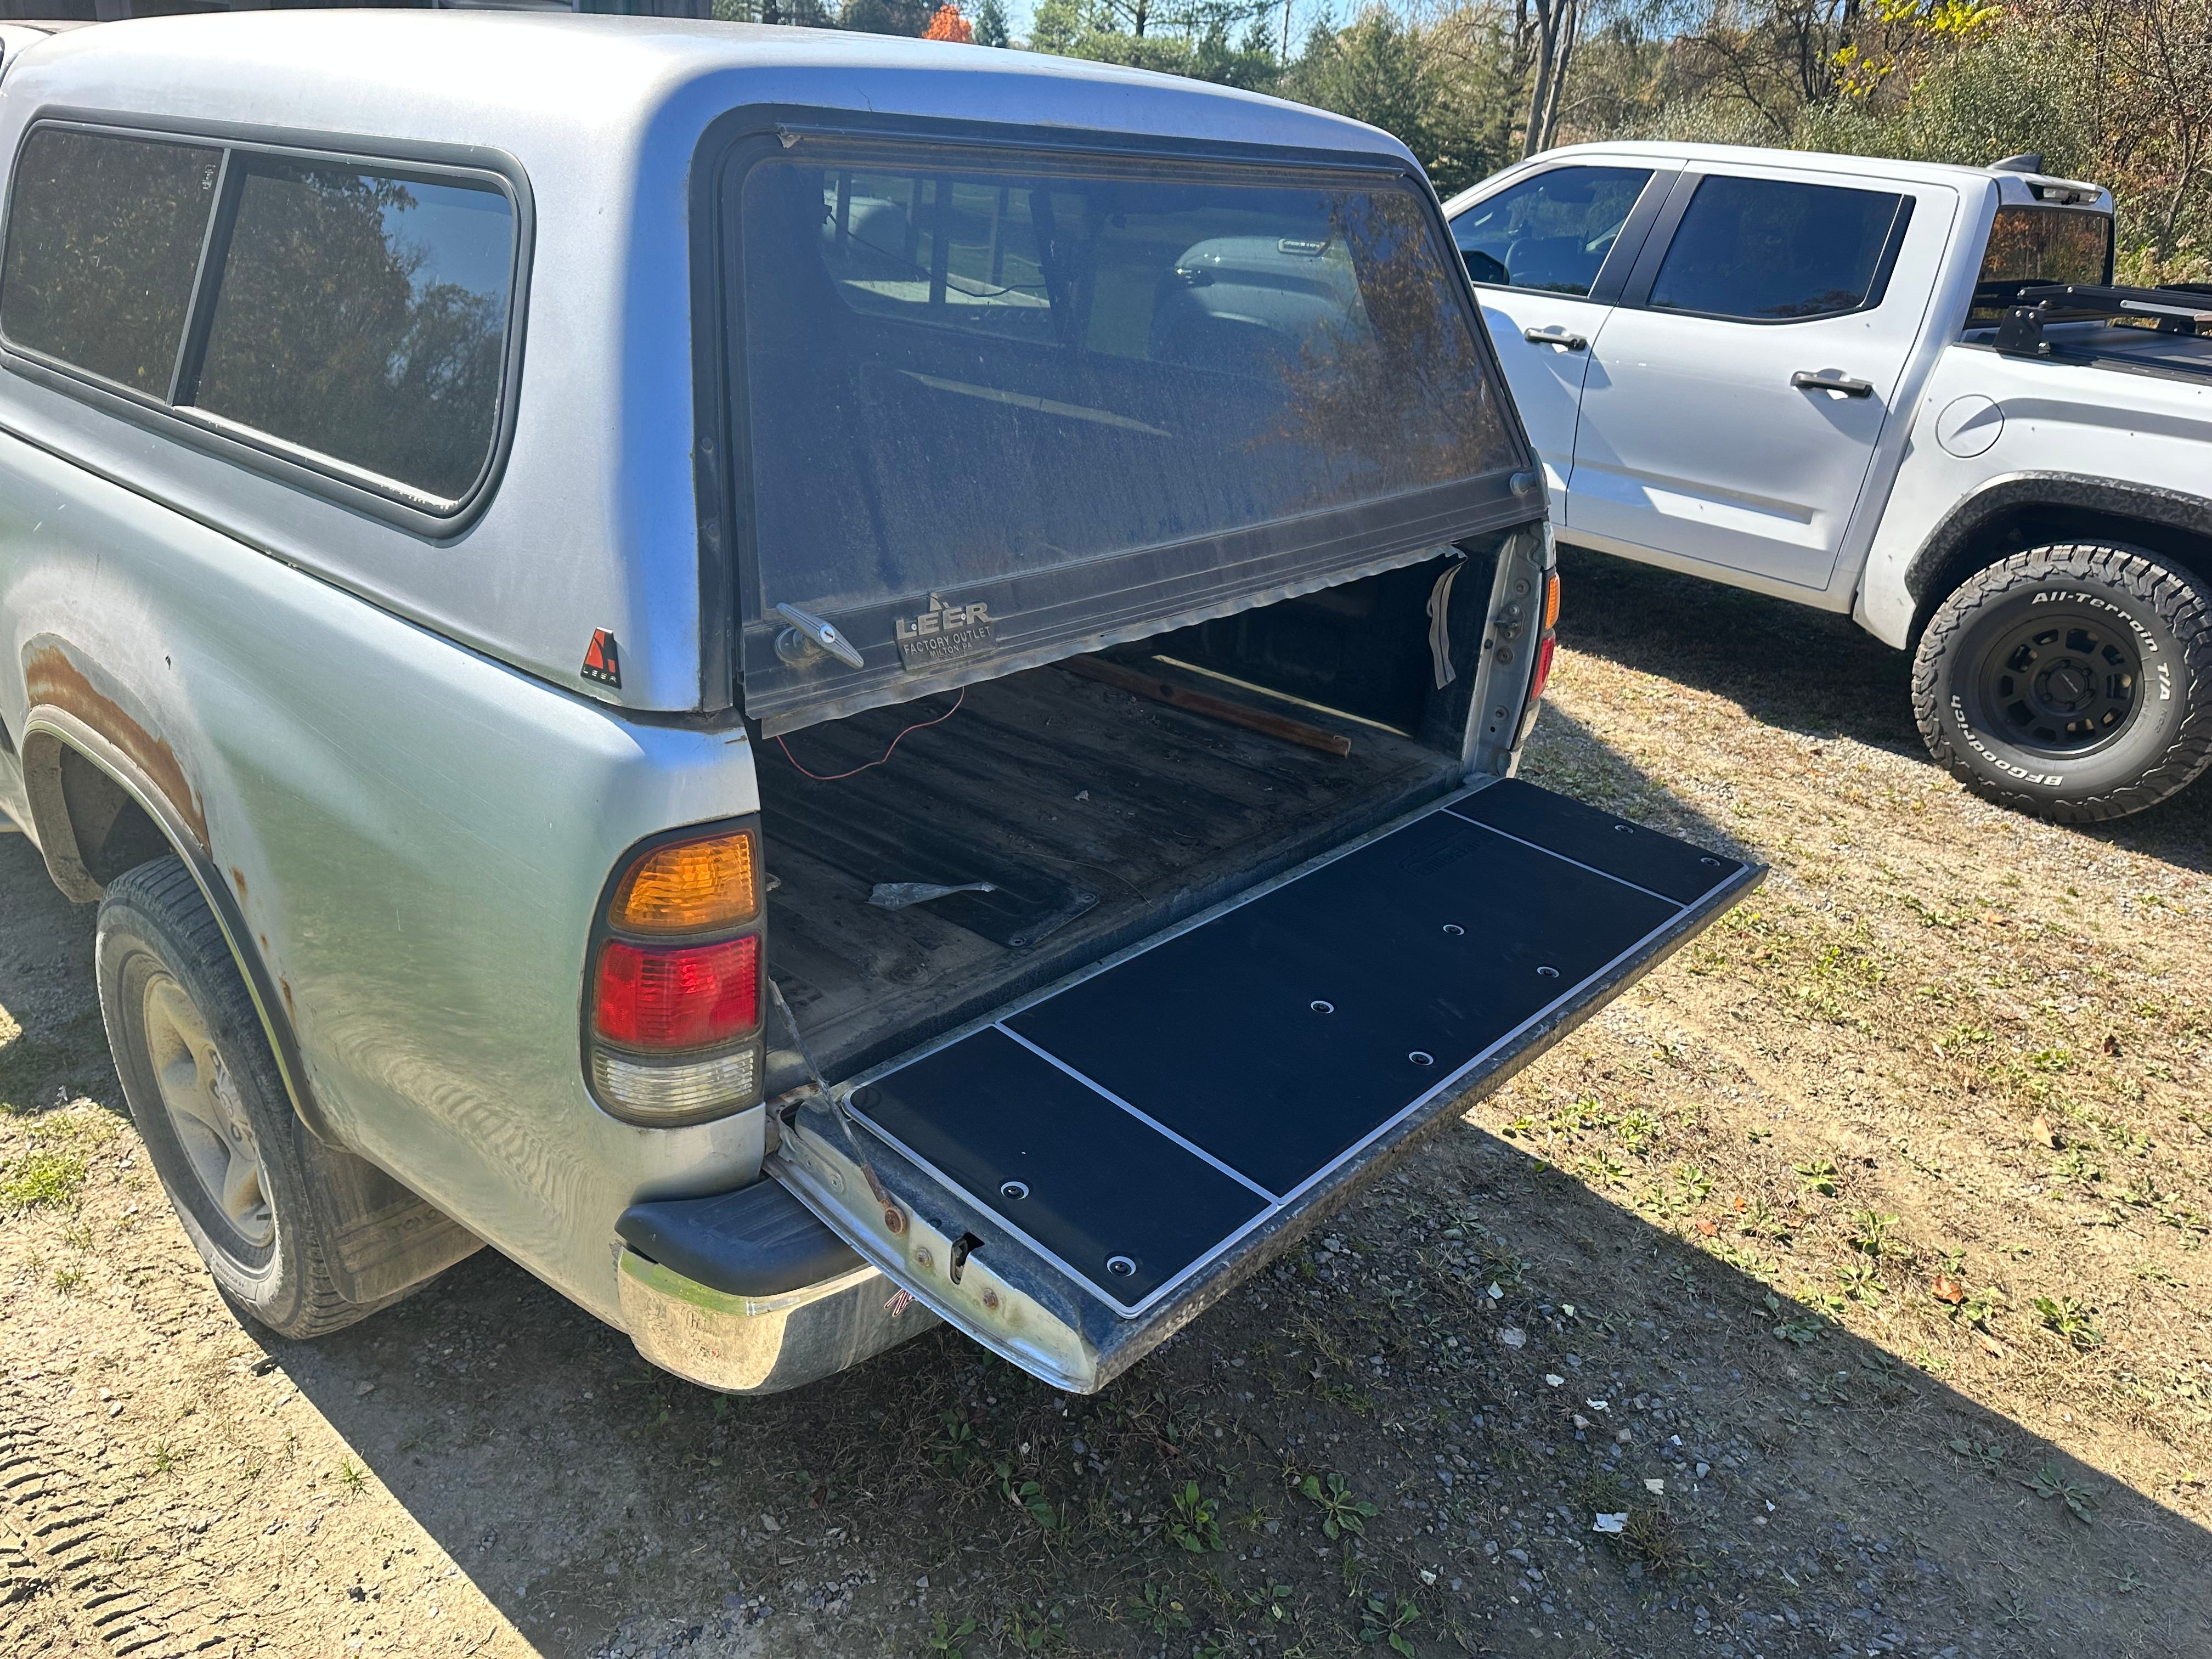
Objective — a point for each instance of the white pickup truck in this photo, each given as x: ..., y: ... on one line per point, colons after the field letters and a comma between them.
x: 1901, y: 390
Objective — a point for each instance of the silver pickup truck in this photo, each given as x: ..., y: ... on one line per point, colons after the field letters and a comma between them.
x: 811, y: 683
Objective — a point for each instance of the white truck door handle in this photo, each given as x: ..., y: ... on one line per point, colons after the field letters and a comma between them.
x: 1827, y: 380
x: 809, y: 634
x: 1560, y: 337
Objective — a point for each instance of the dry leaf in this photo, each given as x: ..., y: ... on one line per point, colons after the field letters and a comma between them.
x: 1707, y: 1228
x: 2111, y: 1043
x: 1740, y: 1206
x: 1990, y: 1343
x: 1946, y: 1289
x: 2042, y: 1131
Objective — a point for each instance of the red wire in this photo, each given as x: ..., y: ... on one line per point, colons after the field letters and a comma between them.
x: 856, y: 771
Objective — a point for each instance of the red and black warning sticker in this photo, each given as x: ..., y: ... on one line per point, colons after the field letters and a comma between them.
x: 602, y: 661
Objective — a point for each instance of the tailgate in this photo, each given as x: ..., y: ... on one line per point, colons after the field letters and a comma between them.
x: 1073, y: 1178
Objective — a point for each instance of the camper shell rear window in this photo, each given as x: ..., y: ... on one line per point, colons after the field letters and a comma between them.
x: 1084, y: 394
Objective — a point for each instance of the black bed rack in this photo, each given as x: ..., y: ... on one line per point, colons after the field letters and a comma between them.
x: 2182, y: 308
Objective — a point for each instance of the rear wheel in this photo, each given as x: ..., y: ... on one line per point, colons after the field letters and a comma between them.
x: 2074, y: 682
x: 237, y: 1163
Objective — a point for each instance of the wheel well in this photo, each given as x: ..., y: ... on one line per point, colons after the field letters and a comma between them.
x: 112, y: 832
x: 2024, y: 525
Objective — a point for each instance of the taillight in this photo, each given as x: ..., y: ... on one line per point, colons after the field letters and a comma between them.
x: 1547, y: 646
x: 690, y: 885
x: 674, y: 1003
x: 1542, y: 676
x: 688, y: 999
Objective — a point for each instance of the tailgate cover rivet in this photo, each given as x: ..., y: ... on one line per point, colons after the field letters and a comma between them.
x: 1016, y: 1190
x: 1121, y: 1266
x: 1421, y: 1058
x: 1454, y: 929
x: 1321, y: 1007
x: 1547, y: 972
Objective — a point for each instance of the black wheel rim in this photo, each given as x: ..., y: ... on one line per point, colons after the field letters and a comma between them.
x: 2064, y: 681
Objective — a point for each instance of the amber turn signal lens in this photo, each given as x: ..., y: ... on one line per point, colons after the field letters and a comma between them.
x: 1551, y: 601
x: 688, y: 885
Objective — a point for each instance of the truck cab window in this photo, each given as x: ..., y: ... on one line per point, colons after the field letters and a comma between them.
x: 1550, y: 232
x: 362, y: 316
x: 103, y: 236
x: 1773, y: 249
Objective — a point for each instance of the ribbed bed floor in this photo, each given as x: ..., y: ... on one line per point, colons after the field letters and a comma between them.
x: 1099, y: 818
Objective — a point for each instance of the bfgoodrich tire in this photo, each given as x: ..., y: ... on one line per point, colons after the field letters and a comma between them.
x: 237, y: 1163
x: 2073, y: 682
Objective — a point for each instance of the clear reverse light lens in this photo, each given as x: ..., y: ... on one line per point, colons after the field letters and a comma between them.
x: 678, y: 1091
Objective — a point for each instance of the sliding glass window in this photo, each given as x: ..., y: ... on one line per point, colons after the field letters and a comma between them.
x: 350, y: 316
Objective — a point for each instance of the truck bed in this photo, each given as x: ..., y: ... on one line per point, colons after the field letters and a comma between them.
x: 1101, y: 816
x: 2128, y: 349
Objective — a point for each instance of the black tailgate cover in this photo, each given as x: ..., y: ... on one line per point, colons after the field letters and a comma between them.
x: 1134, y: 1124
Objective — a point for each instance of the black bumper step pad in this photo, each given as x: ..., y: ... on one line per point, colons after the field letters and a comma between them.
x: 1135, y: 1123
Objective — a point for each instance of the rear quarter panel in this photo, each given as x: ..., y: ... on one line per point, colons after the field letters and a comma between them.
x: 415, y: 834
x: 2025, y: 416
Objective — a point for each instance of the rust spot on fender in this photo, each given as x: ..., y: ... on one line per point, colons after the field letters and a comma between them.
x: 285, y: 986
x: 238, y: 880
x: 52, y: 677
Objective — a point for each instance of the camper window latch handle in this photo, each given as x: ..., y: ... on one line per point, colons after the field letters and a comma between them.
x: 809, y: 636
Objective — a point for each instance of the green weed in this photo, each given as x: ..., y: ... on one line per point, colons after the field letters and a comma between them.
x: 2052, y: 1482
x: 2071, y: 1319
x: 1340, y: 1511
x: 943, y: 1639
x: 1382, y: 1620
x: 1192, y: 1522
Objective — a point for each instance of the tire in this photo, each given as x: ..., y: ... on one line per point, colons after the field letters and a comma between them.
x: 2073, y: 682
x: 238, y: 1165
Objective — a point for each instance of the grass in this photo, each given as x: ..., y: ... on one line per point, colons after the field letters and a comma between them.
x: 43, y: 1175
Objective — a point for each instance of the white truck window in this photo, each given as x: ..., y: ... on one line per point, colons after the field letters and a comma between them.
x: 1773, y: 249
x: 1550, y: 232
x: 103, y: 236
x: 364, y: 316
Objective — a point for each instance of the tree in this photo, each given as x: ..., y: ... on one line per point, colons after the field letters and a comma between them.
x: 1421, y: 84
x: 906, y: 17
x: 991, y: 24
x: 1552, y: 26
x: 949, y: 25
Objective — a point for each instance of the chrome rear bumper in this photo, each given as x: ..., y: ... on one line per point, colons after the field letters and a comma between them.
x: 762, y: 1344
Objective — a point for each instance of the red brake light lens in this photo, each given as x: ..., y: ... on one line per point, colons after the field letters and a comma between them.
x: 1543, y: 674
x: 679, y: 999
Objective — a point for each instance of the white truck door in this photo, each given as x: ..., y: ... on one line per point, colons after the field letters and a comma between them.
x: 1734, y: 403
x: 1538, y: 252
